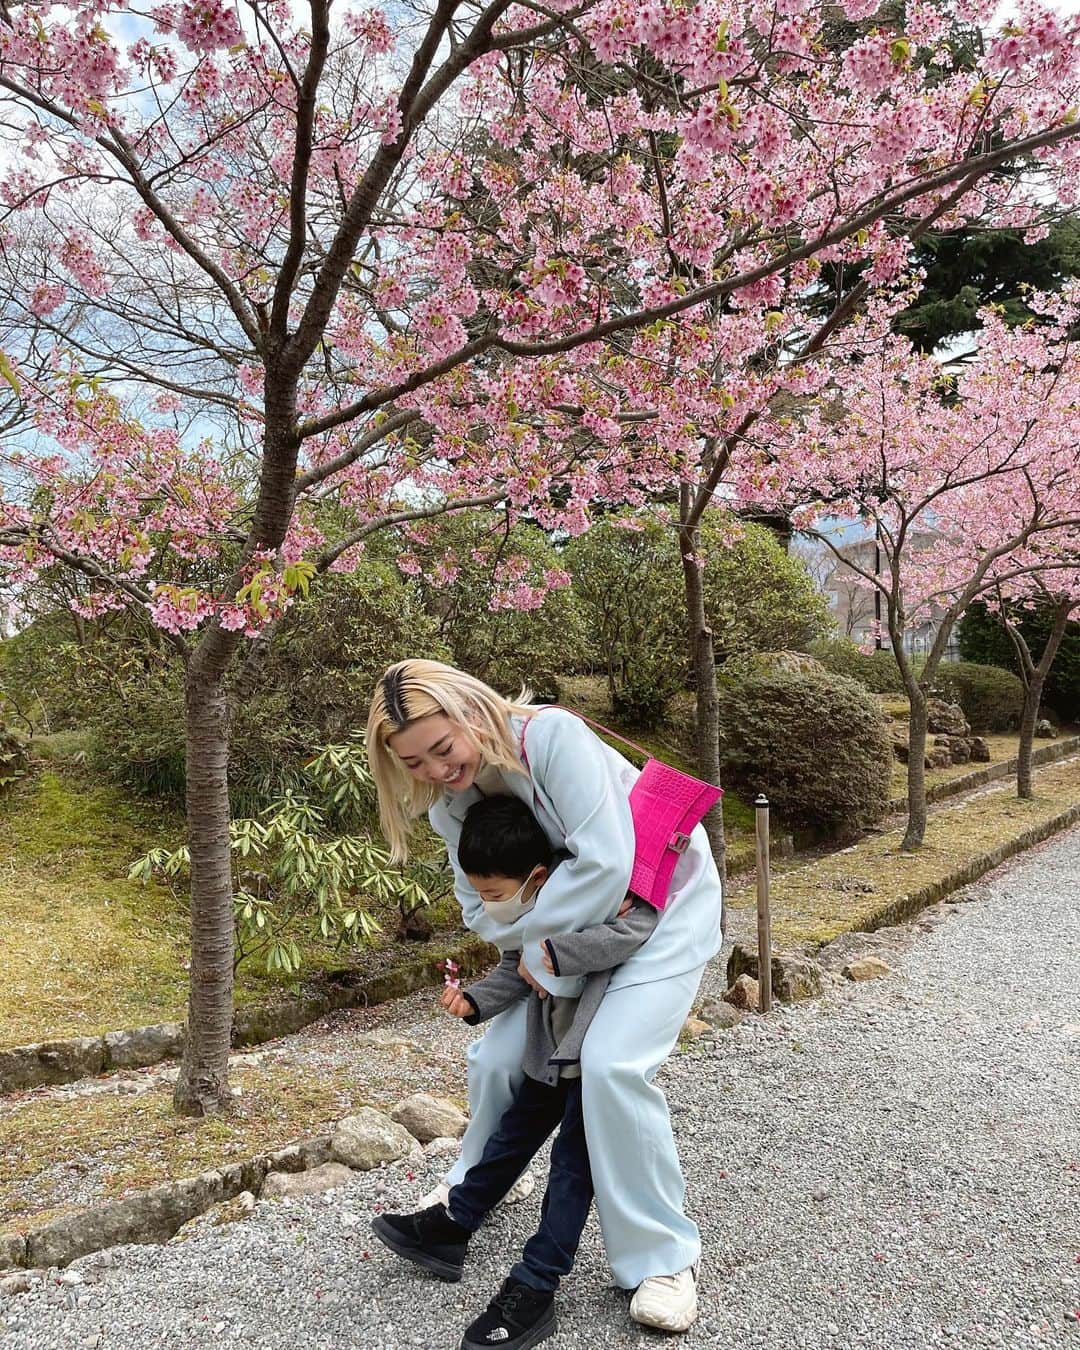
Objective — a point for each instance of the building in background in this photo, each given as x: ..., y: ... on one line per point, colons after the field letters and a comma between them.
x: 858, y: 609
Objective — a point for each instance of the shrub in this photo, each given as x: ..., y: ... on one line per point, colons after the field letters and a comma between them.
x: 642, y: 701
x: 984, y: 640
x: 876, y: 671
x: 817, y: 746
x: 629, y: 583
x: 992, y: 699
x: 13, y: 757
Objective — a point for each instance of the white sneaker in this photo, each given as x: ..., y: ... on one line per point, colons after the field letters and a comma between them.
x: 520, y: 1190
x: 667, y: 1302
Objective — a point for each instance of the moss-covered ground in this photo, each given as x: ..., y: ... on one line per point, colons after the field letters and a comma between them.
x: 83, y: 949
x: 854, y: 887
x: 49, y: 1143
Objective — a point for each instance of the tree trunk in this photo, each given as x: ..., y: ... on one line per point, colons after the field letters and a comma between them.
x: 916, y: 771
x: 1034, y: 683
x: 1028, y: 718
x: 707, y: 703
x: 202, y: 1087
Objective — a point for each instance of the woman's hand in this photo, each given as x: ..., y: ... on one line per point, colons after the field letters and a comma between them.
x: 527, y: 975
x: 455, y: 1003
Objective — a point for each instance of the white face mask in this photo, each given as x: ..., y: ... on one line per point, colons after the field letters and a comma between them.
x: 509, y: 911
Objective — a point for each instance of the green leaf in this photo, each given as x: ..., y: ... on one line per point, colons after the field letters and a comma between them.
x: 7, y: 370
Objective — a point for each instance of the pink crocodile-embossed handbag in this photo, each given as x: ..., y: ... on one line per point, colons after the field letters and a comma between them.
x: 665, y: 804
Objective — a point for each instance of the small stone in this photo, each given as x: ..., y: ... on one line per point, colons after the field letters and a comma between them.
x: 236, y: 1209
x: 427, y: 1117
x: 318, y: 1179
x: 694, y: 1028
x: 719, y: 1015
x: 866, y: 968
x: 387, y: 1040
x: 15, y: 1284
x: 744, y: 994
x: 820, y: 1194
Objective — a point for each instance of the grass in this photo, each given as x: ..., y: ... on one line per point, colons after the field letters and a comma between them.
x: 855, y: 887
x: 128, y: 1143
x: 85, y: 950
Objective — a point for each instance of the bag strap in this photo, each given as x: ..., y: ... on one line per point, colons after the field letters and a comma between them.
x: 598, y: 725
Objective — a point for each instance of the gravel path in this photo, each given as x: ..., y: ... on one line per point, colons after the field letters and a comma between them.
x: 895, y: 1166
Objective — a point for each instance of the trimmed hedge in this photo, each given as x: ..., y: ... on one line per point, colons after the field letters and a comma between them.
x: 992, y: 699
x: 876, y: 671
x: 818, y: 746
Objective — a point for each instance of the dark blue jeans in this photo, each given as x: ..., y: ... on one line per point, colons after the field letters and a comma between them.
x: 529, y: 1119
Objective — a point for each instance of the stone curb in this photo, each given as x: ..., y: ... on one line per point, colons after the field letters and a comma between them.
x: 920, y: 899
x: 153, y: 1215
x: 65, y: 1061
x: 940, y: 792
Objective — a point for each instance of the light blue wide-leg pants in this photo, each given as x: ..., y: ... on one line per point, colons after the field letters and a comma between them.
x: 635, y: 1167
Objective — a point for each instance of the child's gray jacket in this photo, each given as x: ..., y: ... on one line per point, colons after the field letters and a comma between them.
x: 593, y: 953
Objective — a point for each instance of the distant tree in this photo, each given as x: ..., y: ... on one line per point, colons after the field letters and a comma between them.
x: 983, y: 638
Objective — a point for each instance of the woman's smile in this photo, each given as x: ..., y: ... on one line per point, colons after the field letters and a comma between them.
x: 438, y: 751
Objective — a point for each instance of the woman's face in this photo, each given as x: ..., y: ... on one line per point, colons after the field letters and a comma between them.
x: 438, y: 751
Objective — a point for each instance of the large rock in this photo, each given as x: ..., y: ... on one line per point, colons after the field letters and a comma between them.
x: 427, y: 1117
x: 309, y: 1153
x: 980, y: 751
x: 794, y: 977
x: 141, y: 1046
x: 313, y: 1182
x: 694, y: 1028
x: 1045, y: 729
x: 368, y: 1138
x: 939, y: 758
x: 946, y: 719
x: 12, y: 1250
x: 960, y: 749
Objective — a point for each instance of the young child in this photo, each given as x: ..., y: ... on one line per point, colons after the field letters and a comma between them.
x: 507, y: 857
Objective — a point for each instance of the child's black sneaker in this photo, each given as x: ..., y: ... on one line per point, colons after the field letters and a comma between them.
x: 516, y: 1318
x: 429, y: 1238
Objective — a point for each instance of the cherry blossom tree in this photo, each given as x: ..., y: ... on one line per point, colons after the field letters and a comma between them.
x: 1057, y: 589
x: 309, y: 273
x: 969, y: 482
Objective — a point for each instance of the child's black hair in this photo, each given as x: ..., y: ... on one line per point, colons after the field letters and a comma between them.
x: 500, y: 837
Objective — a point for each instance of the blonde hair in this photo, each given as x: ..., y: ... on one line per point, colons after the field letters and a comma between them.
x: 409, y: 691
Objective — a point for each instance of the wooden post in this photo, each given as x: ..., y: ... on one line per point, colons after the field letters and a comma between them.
x: 764, y: 927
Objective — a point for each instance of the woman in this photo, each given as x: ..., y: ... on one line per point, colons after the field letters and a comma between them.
x: 438, y: 740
